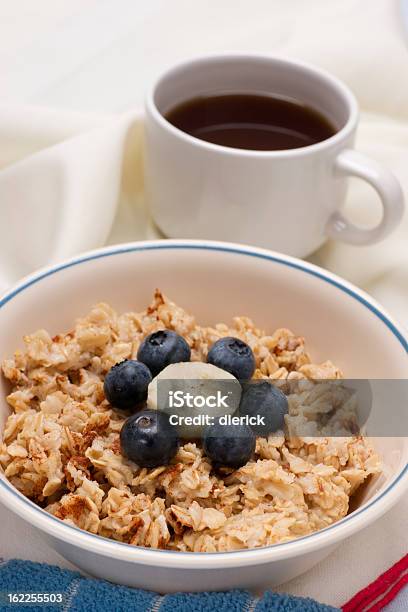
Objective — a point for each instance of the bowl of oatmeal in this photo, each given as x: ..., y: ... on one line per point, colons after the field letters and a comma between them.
x: 89, y: 456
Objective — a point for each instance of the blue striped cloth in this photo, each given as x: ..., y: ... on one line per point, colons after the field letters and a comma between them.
x: 80, y: 594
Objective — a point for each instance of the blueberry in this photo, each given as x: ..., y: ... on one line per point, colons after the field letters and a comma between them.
x: 162, y: 348
x: 148, y: 439
x: 229, y: 445
x: 234, y: 356
x: 126, y: 384
x: 264, y: 400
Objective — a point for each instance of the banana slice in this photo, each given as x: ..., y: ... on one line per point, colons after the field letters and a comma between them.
x: 194, y: 394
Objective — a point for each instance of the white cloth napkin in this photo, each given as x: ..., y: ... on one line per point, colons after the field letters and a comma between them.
x: 99, y: 61
x: 362, y: 43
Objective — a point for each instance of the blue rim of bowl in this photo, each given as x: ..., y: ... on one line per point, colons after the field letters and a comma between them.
x: 314, y: 271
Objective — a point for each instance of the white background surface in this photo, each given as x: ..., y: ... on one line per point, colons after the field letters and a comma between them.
x: 99, y: 55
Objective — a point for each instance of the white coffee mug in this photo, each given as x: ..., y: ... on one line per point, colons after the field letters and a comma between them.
x: 286, y: 200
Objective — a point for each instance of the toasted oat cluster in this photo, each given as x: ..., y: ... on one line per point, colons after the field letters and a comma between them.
x: 61, y: 444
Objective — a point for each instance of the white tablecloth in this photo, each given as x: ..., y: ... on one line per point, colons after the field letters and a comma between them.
x: 98, y: 55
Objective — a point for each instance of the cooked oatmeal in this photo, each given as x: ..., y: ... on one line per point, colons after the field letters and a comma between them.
x: 61, y: 445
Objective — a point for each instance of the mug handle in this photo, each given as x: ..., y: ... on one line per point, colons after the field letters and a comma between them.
x: 350, y: 162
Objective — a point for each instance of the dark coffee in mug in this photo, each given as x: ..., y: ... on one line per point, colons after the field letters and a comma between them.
x: 251, y: 121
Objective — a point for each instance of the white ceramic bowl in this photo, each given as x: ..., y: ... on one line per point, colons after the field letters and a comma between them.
x: 214, y: 281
